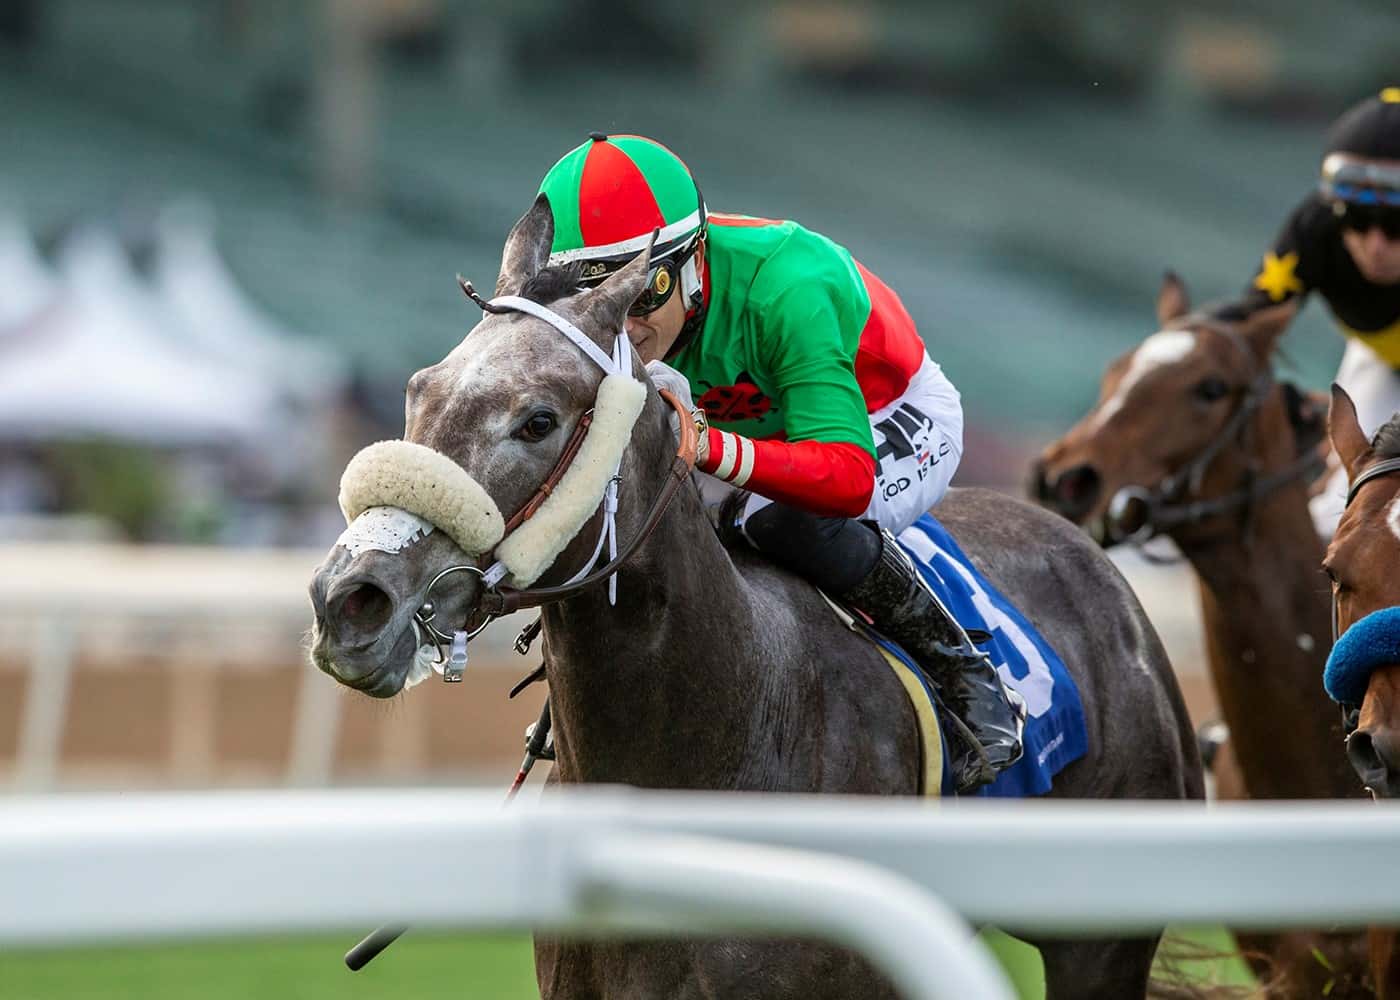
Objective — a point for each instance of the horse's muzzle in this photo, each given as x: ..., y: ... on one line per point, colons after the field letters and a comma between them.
x: 1375, y: 756
x: 1071, y: 493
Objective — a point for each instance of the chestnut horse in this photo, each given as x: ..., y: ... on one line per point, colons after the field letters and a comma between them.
x: 1191, y: 438
x: 1361, y: 563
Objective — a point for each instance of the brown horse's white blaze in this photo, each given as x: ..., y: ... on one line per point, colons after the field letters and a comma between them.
x: 1160, y: 405
x: 1361, y: 563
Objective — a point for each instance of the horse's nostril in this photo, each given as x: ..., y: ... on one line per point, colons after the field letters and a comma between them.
x: 1365, y: 752
x: 1075, y: 490
x: 360, y: 613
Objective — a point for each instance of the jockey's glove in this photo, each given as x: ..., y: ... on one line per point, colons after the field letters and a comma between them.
x: 663, y: 376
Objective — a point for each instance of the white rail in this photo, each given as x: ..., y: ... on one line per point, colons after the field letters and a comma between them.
x: 168, y: 866
x: 610, y: 861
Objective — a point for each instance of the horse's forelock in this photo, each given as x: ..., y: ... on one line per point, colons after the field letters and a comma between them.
x: 1386, y: 443
x: 553, y: 283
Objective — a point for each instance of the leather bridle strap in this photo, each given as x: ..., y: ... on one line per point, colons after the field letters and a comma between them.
x: 1379, y: 469
x: 1164, y: 510
x: 566, y: 458
x: 504, y: 600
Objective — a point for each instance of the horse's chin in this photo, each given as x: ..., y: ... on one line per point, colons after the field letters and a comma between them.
x: 393, y: 678
x: 409, y: 662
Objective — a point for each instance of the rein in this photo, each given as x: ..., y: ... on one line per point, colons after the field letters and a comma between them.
x: 1165, y: 507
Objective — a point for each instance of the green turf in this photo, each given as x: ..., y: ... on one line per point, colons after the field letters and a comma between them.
x: 420, y: 966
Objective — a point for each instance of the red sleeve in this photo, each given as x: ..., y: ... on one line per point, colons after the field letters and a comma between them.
x: 833, y: 479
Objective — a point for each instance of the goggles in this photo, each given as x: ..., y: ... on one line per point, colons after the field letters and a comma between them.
x: 661, y: 284
x: 662, y: 279
x: 1368, y: 182
x: 1363, y: 216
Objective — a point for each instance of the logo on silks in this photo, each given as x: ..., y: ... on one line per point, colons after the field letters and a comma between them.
x: 732, y: 403
x: 907, y: 448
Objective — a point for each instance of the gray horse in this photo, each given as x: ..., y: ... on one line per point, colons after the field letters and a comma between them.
x: 716, y: 669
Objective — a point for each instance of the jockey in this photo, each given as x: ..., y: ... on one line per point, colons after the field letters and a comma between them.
x: 819, y: 396
x: 1343, y: 241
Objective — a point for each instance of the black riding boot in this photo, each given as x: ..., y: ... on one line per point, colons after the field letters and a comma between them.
x: 905, y: 610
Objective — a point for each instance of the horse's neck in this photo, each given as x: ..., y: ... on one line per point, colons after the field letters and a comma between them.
x: 1264, y: 609
x: 658, y: 677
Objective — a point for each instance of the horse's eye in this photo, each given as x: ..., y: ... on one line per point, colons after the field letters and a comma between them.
x: 1211, y: 389
x: 537, y: 426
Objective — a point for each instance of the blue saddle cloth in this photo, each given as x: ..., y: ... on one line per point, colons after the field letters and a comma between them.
x: 1055, y: 735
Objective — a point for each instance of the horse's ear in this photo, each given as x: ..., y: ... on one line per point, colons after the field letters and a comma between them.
x: 1263, y: 327
x: 527, y: 247
x: 1348, y: 439
x: 1172, y: 300
x: 611, y: 300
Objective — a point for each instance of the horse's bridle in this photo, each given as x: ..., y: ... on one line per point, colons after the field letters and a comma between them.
x: 496, y: 600
x: 1374, y: 472
x: 1165, y: 506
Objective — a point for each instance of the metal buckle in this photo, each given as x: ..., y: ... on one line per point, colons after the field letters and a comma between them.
x: 454, y: 660
x: 1118, y: 508
x: 456, y: 664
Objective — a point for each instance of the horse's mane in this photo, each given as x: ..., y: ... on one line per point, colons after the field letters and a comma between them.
x: 553, y: 283
x: 1386, y: 443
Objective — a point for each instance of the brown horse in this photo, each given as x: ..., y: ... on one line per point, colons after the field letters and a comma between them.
x: 714, y: 669
x: 1361, y: 564
x: 1191, y: 438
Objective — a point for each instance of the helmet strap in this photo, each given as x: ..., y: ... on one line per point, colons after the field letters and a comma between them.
x: 691, y: 286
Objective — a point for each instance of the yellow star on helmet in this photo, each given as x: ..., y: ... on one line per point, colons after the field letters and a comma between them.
x: 1276, y: 276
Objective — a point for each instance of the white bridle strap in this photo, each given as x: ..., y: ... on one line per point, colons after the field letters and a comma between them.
x: 580, y: 339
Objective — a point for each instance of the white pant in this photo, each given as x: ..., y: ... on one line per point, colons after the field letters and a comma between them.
x: 1375, y: 389
x: 918, y: 445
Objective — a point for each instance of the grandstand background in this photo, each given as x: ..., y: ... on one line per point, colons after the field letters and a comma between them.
x: 229, y: 230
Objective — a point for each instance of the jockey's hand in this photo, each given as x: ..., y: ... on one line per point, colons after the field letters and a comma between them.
x: 663, y: 376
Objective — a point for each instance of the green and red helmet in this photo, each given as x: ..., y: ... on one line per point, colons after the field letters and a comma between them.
x: 611, y: 193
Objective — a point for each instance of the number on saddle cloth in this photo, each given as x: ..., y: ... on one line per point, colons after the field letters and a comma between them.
x: 1055, y: 733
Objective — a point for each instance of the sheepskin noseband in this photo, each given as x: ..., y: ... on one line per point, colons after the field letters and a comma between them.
x: 433, y: 486
x: 423, y: 482
x: 1370, y: 642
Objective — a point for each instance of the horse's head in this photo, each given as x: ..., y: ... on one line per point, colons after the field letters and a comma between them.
x: 1361, y: 563
x: 484, y: 429
x: 1173, y: 421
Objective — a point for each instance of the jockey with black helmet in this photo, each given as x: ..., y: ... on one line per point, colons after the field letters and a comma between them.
x: 820, y: 399
x: 1343, y: 241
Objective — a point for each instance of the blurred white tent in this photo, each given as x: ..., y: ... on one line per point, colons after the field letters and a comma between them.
x: 194, y: 283
x: 98, y: 364
x: 26, y: 282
